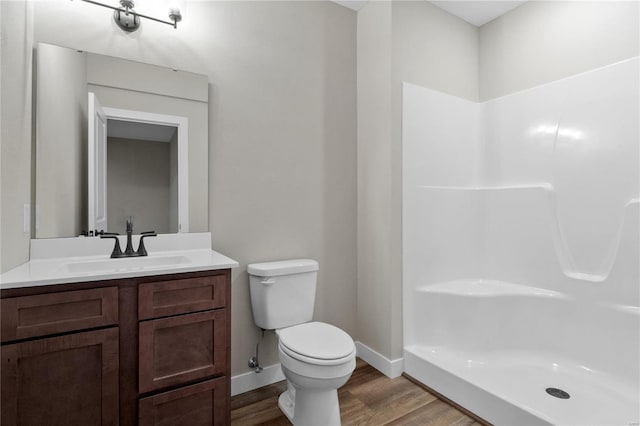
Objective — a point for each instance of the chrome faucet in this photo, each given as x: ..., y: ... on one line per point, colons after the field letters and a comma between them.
x: 128, y: 251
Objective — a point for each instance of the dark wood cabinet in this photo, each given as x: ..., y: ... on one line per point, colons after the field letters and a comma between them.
x: 149, y: 350
x: 64, y: 380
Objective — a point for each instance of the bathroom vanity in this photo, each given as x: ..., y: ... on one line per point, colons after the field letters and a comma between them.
x: 126, y: 346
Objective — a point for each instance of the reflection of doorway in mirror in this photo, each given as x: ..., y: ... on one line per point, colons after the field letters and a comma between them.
x: 146, y: 173
x: 142, y: 176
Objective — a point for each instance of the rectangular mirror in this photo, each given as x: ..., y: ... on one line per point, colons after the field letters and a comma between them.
x: 118, y: 139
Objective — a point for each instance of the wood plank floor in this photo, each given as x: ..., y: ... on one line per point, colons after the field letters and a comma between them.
x: 368, y: 398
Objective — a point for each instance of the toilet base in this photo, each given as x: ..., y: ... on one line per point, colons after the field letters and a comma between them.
x: 310, y: 407
x: 285, y: 403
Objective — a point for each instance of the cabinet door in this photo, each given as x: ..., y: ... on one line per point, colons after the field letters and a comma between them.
x: 178, y: 350
x: 203, y: 404
x: 66, y: 380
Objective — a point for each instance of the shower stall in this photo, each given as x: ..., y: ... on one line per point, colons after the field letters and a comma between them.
x: 521, y: 284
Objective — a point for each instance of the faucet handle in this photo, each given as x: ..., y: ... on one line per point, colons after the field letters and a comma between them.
x: 142, y: 251
x: 129, y: 224
x: 102, y: 232
x: 117, y: 251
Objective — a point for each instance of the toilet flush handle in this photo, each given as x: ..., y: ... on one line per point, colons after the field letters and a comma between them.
x: 268, y: 281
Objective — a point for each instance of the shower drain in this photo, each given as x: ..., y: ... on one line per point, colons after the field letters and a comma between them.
x: 558, y: 393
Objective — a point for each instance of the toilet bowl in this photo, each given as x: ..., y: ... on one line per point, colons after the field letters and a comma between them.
x: 316, y: 359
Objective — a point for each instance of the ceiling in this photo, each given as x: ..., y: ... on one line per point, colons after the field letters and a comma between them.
x: 351, y: 4
x: 476, y: 12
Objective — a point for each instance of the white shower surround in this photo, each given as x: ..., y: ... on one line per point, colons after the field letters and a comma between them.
x: 521, y: 248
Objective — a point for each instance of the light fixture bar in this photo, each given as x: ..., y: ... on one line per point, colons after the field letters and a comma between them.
x: 174, y: 23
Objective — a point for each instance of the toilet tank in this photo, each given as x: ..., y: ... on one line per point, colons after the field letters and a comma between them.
x: 282, y: 293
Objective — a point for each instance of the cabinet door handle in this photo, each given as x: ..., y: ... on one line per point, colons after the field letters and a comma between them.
x: 268, y: 281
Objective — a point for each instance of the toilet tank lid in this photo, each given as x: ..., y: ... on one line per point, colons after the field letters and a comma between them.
x: 282, y: 267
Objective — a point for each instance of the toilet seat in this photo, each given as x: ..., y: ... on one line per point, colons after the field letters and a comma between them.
x: 317, y: 343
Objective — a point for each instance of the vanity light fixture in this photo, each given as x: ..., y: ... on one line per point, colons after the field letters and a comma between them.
x: 129, y: 20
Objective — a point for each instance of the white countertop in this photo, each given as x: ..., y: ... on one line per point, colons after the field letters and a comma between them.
x: 59, y: 261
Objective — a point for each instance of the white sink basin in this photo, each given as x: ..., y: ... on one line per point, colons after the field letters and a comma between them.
x: 122, y: 265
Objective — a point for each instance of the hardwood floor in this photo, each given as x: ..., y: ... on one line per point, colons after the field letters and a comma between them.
x: 368, y: 398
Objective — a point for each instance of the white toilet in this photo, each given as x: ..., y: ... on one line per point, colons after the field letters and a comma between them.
x: 316, y: 358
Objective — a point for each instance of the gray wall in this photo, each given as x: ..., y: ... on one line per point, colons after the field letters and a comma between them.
x: 138, y: 185
x: 377, y: 278
x: 542, y: 41
x: 15, y: 130
x: 283, y: 153
x: 434, y: 49
x: 282, y: 141
x: 397, y: 41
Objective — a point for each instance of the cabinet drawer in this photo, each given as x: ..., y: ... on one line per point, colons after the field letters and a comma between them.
x: 203, y: 404
x: 161, y: 299
x: 181, y: 349
x: 40, y: 315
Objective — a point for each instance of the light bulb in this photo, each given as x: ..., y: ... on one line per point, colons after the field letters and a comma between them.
x: 175, y: 9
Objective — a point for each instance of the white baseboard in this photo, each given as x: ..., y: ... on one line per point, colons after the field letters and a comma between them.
x: 249, y: 381
x: 390, y: 368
